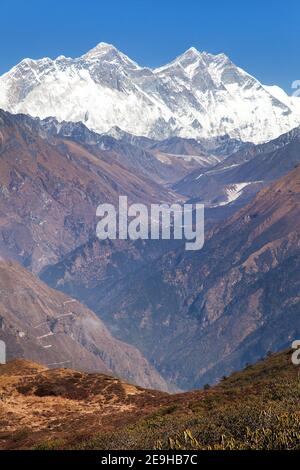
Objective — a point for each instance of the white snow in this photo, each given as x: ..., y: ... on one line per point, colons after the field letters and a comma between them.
x: 234, y: 191
x: 280, y: 94
x: 218, y: 170
x: 45, y: 336
x: 197, y: 95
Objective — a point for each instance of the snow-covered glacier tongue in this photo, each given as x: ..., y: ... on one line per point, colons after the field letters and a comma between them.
x: 198, y: 95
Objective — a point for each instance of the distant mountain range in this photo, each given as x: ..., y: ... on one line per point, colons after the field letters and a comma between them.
x: 198, y: 95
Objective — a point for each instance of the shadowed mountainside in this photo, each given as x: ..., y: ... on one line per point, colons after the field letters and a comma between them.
x: 199, y: 315
x: 44, y: 325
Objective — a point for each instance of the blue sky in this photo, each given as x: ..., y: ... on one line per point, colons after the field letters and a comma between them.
x: 260, y: 36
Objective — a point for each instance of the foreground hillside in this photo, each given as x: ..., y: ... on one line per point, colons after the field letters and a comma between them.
x: 47, y: 409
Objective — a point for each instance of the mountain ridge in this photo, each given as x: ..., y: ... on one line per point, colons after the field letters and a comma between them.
x: 196, y: 95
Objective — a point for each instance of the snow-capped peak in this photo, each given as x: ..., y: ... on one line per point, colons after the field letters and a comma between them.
x: 190, y: 55
x: 100, y: 49
x: 196, y: 95
x: 107, y: 52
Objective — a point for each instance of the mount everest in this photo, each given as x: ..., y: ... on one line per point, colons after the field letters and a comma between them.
x: 198, y: 95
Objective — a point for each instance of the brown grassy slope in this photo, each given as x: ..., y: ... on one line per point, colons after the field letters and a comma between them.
x: 256, y: 408
x: 38, y: 404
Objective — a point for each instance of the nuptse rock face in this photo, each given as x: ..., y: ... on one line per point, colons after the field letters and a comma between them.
x: 196, y: 95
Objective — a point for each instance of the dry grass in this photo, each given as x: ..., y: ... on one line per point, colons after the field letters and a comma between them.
x: 257, y: 408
